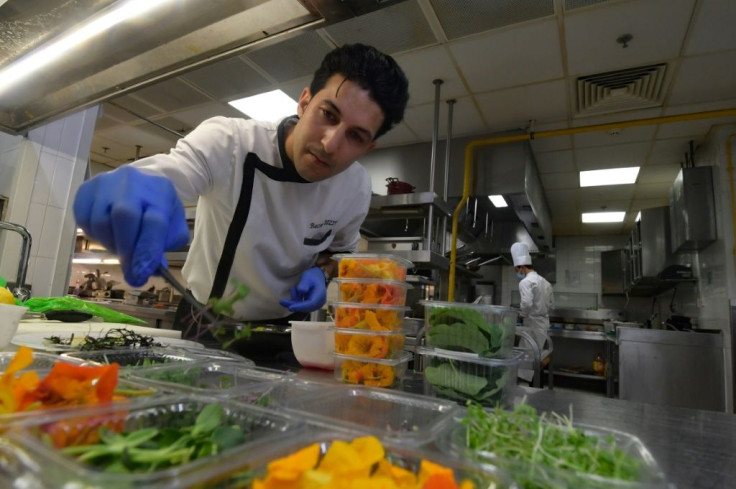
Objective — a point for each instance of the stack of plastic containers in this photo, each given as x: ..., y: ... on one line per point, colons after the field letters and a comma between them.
x: 369, y: 319
x: 469, y: 353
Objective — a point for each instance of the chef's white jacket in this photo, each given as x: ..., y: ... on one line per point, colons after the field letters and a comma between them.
x: 536, y: 301
x: 257, y: 220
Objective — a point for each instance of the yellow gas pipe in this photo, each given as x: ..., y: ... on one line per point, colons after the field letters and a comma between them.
x: 560, y: 132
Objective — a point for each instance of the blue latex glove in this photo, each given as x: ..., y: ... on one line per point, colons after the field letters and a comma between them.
x: 135, y: 215
x: 309, y: 294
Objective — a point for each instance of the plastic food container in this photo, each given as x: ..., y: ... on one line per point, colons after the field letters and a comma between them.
x: 370, y: 344
x: 389, y: 415
x: 313, y: 343
x: 371, y: 265
x: 279, y: 394
x: 453, y: 441
x: 477, y: 328
x: 401, y: 456
x: 374, y: 317
x: 468, y: 377
x: 372, y: 291
x: 41, y: 436
x: 41, y: 361
x: 373, y: 372
x: 132, y: 359
x: 215, y: 354
x: 212, y: 379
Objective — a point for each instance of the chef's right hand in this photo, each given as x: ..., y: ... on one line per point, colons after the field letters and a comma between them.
x: 135, y: 215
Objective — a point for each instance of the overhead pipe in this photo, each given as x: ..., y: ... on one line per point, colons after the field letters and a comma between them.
x: 435, y: 135
x: 729, y: 159
x: 546, y: 134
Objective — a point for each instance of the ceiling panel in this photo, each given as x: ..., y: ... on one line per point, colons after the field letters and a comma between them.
x: 702, y: 78
x: 460, y: 18
x: 293, y: 58
x: 398, y: 136
x: 170, y: 95
x: 614, y: 136
x: 658, y: 174
x: 590, y: 34
x: 619, y: 156
x: 513, y: 108
x: 653, y: 190
x: 555, y: 162
x: 421, y: 119
x: 425, y: 66
x: 669, y: 151
x: 560, y: 180
x: 712, y: 28
x: 228, y: 79
x: 522, y: 56
x: 606, y: 195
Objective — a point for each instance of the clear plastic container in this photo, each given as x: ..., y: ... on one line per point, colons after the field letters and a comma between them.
x: 372, y: 291
x: 453, y: 441
x: 215, y: 379
x: 278, y: 394
x: 216, y: 355
x: 468, y: 377
x: 373, y: 372
x: 132, y: 359
x: 41, y: 361
x: 389, y: 415
x: 40, y: 437
x: 477, y: 328
x: 374, y: 317
x: 479, y: 476
x: 372, y: 265
x: 370, y: 344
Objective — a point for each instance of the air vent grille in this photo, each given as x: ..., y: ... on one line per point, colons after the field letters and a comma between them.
x: 633, y: 88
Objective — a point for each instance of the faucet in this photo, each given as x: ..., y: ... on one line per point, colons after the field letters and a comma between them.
x: 20, y: 292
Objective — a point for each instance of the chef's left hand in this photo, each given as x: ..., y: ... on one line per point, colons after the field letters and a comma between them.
x: 309, y: 294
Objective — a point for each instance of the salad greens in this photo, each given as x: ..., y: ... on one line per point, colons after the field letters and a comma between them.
x: 546, y: 451
x: 149, y: 449
x: 465, y: 329
x: 465, y: 381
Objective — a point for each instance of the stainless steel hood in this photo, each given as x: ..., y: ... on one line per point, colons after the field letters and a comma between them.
x: 133, y: 43
x: 510, y: 170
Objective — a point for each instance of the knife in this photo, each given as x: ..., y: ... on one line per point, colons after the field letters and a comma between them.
x: 185, y: 295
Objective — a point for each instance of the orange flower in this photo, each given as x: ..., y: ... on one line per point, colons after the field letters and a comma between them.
x: 377, y: 375
x: 13, y: 388
x: 71, y: 385
x: 352, y: 372
x: 364, y: 345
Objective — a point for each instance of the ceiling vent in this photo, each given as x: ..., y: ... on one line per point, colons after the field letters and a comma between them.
x: 633, y: 88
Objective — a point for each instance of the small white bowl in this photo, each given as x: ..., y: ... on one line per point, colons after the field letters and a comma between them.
x: 313, y: 343
x: 9, y: 319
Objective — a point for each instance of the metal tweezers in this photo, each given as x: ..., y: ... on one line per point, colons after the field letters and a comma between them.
x: 187, y: 296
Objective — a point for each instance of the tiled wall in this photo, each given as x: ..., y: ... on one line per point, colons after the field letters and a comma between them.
x: 47, y: 166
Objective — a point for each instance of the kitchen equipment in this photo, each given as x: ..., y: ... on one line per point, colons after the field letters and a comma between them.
x: 313, y: 343
x: 396, y: 186
x: 19, y: 291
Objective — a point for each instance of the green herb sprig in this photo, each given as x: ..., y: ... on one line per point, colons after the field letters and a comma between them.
x: 541, y: 440
x: 150, y: 449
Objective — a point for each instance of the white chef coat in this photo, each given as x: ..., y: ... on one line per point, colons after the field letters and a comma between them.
x: 257, y: 222
x: 536, y: 301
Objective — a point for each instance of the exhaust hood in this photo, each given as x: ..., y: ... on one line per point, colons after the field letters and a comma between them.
x: 510, y: 170
x: 61, y: 56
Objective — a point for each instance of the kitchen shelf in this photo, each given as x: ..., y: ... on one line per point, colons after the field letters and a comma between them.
x: 573, y: 375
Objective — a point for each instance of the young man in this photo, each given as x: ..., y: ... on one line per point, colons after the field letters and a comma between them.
x: 273, y: 198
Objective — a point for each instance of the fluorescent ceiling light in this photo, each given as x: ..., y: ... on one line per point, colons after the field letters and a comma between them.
x: 638, y: 217
x: 111, y: 261
x: 87, y: 261
x: 603, y: 216
x: 269, y: 106
x: 498, y: 200
x: 119, y: 13
x: 612, y: 176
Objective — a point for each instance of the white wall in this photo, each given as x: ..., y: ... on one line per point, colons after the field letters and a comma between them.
x: 47, y: 167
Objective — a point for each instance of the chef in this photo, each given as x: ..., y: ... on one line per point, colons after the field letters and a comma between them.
x: 536, y: 298
x: 275, y: 200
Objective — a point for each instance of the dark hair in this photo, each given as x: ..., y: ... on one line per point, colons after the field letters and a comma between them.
x: 372, y: 70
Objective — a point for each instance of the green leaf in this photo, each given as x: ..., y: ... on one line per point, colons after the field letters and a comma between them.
x: 228, y: 436
x: 210, y: 418
x: 445, y: 375
x: 458, y: 336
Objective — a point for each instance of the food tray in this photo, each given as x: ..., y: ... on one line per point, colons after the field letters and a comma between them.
x: 452, y: 440
x: 41, y: 361
x: 467, y: 377
x: 476, y: 328
x: 389, y: 415
x: 373, y: 372
x: 374, y: 317
x: 370, y: 344
x: 260, y: 427
x: 404, y: 457
x: 214, y: 379
x: 372, y: 291
x: 132, y: 359
x: 371, y: 265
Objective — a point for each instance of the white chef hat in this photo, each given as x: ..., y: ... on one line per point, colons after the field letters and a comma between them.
x: 520, y: 254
